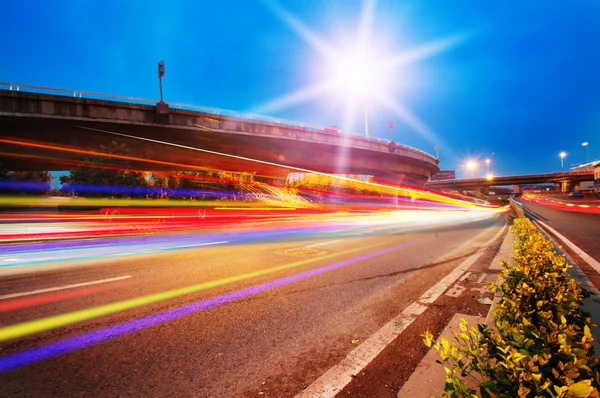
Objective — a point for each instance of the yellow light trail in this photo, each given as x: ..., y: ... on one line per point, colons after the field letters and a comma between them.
x: 28, y: 328
x: 383, y: 188
x: 405, y: 191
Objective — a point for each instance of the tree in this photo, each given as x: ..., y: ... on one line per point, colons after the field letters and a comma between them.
x: 108, y: 175
x: 166, y: 183
x: 36, y: 182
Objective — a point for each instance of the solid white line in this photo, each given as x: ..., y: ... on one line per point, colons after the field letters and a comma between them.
x: 53, y: 289
x: 201, y: 244
x: 481, y: 278
x: 324, y: 243
x: 336, y: 378
x: 586, y: 257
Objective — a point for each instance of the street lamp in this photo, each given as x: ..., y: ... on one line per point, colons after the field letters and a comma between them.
x: 355, y: 72
x: 487, y: 162
x: 562, y: 155
x: 585, y: 144
x: 366, y: 118
x: 489, y: 177
x: 471, y: 166
x: 161, y: 73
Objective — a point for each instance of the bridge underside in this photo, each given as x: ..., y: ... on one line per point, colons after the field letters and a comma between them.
x: 229, y: 151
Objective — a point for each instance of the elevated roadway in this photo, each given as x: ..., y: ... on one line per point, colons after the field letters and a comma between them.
x: 542, y: 178
x: 187, y: 137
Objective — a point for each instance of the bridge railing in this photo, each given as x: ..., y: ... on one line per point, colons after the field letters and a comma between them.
x: 204, y: 109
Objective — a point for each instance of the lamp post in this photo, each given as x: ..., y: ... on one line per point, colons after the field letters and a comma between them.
x: 487, y: 162
x: 161, y: 73
x: 585, y: 144
x: 562, y: 156
x: 367, y: 118
x: 471, y: 166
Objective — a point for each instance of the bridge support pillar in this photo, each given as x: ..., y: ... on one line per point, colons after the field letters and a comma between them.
x: 485, y: 190
x: 516, y: 188
x: 566, y: 186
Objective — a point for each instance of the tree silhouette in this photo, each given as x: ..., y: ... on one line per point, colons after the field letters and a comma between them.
x: 110, y: 175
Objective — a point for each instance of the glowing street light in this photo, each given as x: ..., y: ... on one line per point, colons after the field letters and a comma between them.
x: 355, y: 71
x: 471, y: 165
x: 562, y: 156
x: 487, y: 162
x: 585, y: 144
x: 489, y: 177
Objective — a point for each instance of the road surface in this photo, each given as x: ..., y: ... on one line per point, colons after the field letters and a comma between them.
x: 581, y: 225
x: 261, y: 310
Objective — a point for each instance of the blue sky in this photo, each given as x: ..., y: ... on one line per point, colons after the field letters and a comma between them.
x: 519, y: 79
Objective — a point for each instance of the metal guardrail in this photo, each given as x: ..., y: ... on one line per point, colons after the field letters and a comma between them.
x: 214, y: 111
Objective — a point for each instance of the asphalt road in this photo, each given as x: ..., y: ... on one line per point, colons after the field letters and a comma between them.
x: 580, y: 227
x: 256, y: 313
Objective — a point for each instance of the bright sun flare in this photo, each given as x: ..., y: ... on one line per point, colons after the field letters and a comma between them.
x: 356, y: 74
x: 365, y: 74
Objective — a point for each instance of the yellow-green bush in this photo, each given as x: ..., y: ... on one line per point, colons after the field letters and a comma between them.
x: 542, y: 345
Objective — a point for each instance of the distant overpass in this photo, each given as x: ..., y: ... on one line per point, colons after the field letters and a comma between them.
x: 484, y: 184
x: 231, y: 142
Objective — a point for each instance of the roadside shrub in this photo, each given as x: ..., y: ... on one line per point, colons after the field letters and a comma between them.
x: 541, y: 345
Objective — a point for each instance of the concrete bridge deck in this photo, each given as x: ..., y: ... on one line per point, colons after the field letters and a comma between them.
x: 166, y: 133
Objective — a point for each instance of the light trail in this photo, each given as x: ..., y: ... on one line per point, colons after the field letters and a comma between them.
x: 27, y: 302
x: 28, y: 328
x: 404, y: 191
x: 50, y: 350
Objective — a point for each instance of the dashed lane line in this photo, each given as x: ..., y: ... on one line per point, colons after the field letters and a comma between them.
x: 65, y: 287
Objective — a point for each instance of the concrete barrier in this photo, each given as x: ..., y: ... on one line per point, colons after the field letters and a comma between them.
x: 517, y: 207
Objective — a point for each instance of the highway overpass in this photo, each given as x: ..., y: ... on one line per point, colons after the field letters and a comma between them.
x: 484, y: 184
x: 188, y: 136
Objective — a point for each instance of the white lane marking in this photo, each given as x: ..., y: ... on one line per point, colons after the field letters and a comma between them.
x: 336, y: 378
x: 586, y: 257
x: 53, y: 289
x: 324, y: 243
x: 465, y: 276
x: 481, y: 278
x: 202, y: 244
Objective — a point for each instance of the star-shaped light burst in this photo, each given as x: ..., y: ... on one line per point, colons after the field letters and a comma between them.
x: 362, y: 73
